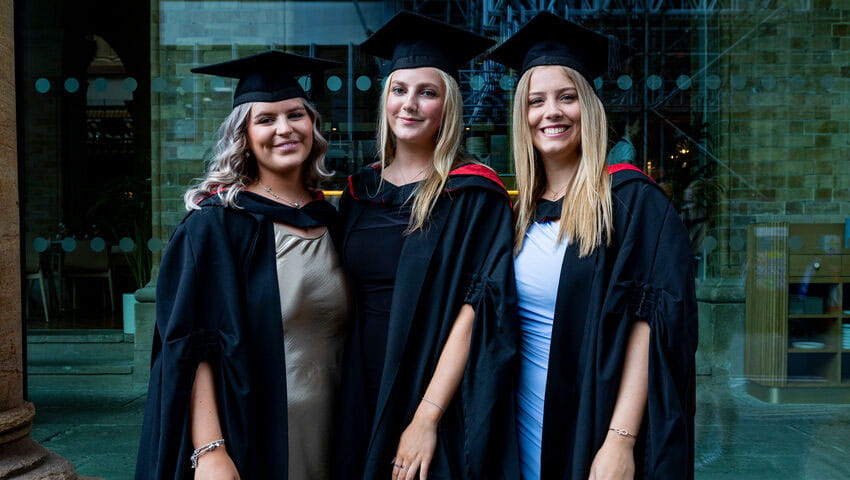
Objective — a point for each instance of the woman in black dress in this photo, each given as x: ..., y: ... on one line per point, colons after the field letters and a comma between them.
x: 426, y: 241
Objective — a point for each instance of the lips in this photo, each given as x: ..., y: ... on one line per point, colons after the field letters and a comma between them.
x: 409, y: 120
x: 286, y: 146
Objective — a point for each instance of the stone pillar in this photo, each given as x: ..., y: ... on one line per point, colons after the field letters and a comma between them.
x: 20, y: 457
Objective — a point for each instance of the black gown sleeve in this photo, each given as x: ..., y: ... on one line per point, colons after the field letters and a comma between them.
x: 192, y: 309
x: 487, y: 388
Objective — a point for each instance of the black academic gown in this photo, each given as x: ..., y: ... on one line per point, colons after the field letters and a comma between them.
x: 463, y: 255
x: 646, y: 274
x: 217, y: 299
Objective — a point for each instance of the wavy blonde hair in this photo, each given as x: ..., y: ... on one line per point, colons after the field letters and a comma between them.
x: 447, y: 151
x: 586, y: 215
x: 234, y: 167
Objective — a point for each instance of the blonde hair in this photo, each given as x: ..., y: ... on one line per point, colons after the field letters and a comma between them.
x: 447, y: 152
x: 586, y: 215
x: 234, y: 167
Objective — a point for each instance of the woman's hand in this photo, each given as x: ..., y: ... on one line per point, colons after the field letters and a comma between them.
x: 417, y: 444
x: 216, y: 465
x: 615, y: 460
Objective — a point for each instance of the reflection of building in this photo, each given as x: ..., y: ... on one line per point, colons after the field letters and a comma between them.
x: 743, y: 117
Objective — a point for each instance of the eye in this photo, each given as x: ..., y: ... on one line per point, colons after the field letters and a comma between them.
x: 568, y: 97
x: 264, y: 120
x: 535, y: 101
x: 429, y: 93
x: 397, y: 91
x: 296, y: 115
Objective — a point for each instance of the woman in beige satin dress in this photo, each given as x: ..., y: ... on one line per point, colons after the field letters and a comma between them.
x: 252, y: 303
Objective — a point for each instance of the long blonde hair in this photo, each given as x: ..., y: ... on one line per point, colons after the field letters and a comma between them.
x: 447, y: 153
x: 234, y: 167
x: 586, y: 215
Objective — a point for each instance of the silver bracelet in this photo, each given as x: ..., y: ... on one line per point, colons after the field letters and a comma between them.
x: 426, y: 399
x: 622, y: 433
x: 204, y: 449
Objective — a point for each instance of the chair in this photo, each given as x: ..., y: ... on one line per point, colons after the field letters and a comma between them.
x: 33, y: 271
x: 85, y: 263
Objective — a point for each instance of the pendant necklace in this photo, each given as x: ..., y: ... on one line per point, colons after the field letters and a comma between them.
x: 278, y: 197
x: 559, y: 193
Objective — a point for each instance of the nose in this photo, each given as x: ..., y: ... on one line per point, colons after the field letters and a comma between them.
x: 282, y: 127
x: 409, y: 104
x: 552, y: 111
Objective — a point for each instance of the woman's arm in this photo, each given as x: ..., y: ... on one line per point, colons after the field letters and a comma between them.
x: 615, y: 459
x: 419, y: 439
x: 206, y: 428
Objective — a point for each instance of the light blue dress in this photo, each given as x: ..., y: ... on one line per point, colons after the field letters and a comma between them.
x: 538, y: 272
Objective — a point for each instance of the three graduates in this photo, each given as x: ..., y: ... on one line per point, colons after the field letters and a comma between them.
x: 584, y: 369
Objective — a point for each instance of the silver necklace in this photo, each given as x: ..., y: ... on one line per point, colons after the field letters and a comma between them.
x: 268, y: 190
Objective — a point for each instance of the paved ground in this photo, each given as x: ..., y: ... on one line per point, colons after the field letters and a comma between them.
x: 93, y: 419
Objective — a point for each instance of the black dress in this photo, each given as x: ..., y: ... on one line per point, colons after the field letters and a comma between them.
x: 371, y: 259
x: 462, y: 256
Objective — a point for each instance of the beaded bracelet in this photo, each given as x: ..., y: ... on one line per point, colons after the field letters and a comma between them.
x: 621, y: 432
x: 204, y: 449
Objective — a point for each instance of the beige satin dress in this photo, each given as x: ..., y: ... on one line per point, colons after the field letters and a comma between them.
x: 314, y: 303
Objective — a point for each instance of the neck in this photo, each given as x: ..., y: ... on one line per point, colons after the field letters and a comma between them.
x: 559, y: 174
x: 412, y: 155
x: 290, y: 188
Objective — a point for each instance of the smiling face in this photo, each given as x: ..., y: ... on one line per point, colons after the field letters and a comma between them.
x: 554, y: 115
x: 280, y: 135
x: 414, y: 107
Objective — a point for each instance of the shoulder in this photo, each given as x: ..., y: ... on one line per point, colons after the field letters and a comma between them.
x: 475, y: 177
x: 631, y: 190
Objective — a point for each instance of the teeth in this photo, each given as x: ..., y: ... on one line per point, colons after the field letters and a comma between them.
x: 554, y: 130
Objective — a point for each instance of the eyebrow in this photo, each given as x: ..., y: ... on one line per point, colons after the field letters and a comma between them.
x: 565, y: 89
x: 421, y: 85
x: 269, y: 112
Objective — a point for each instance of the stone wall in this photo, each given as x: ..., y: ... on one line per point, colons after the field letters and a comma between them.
x: 784, y: 126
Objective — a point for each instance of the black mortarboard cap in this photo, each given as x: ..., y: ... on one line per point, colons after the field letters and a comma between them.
x: 410, y: 40
x: 268, y: 76
x: 548, y: 39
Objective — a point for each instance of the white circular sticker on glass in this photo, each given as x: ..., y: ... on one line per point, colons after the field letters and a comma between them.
x: 42, y: 85
x: 187, y: 84
x: 683, y: 82
x: 305, y: 82
x: 768, y: 82
x: 736, y: 243
x: 334, y: 83
x: 69, y: 244
x: 100, y: 84
x: 126, y: 244
x: 40, y: 244
x: 827, y: 82
x: 624, y: 82
x: 477, y: 82
x: 797, y: 81
x: 154, y: 245
x: 597, y: 82
x: 72, y: 85
x: 158, y: 84
x: 738, y: 82
x: 130, y: 84
x: 506, y: 82
x: 712, y: 82
x: 97, y: 244
x: 363, y: 83
x: 654, y: 82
